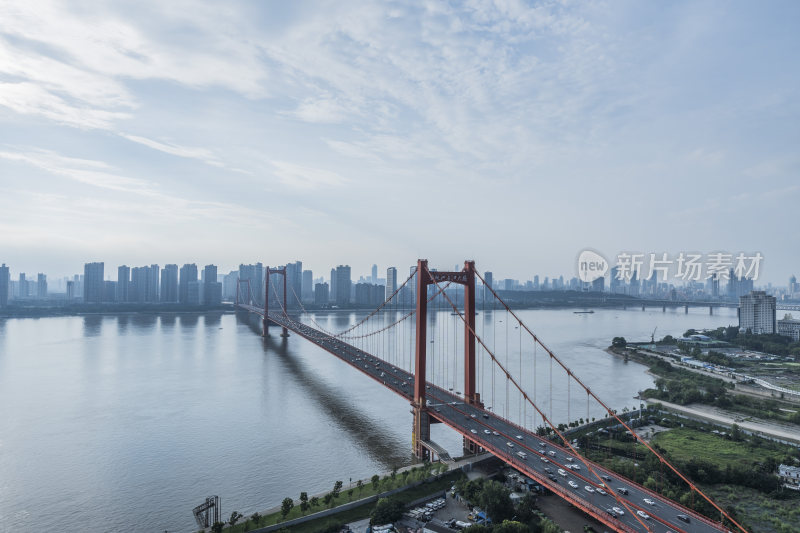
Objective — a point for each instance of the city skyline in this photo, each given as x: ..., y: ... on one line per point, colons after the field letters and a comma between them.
x: 338, y: 132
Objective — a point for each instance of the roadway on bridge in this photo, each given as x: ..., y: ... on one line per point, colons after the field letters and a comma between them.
x: 551, y: 465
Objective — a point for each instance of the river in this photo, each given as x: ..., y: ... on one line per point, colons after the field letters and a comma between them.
x: 126, y: 422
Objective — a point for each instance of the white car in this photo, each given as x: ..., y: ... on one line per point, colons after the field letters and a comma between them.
x: 643, y: 515
x: 487, y: 431
x: 510, y: 445
x: 618, y: 511
x: 562, y: 473
x: 475, y: 431
x: 496, y: 434
x: 544, y: 459
x: 573, y: 484
x: 648, y: 501
x: 601, y: 491
x: 519, y: 437
x: 588, y: 488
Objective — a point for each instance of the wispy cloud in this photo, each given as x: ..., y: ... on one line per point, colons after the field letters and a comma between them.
x: 306, y: 178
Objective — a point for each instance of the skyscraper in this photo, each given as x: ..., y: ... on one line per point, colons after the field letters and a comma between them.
x: 123, y: 283
x: 212, y: 289
x: 308, y: 286
x: 41, y: 286
x: 487, y: 294
x: 294, y: 283
x: 254, y: 273
x: 343, y: 285
x: 374, y: 273
x: 169, y: 284
x: 152, y: 284
x: 391, y: 281
x: 332, y: 293
x: 93, y: 286
x: 188, y: 275
x: 5, y: 281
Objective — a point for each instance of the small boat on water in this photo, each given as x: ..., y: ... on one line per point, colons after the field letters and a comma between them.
x: 589, y: 312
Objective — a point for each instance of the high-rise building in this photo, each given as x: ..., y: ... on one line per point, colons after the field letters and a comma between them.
x: 489, y: 278
x: 5, y: 281
x: 229, y: 285
x: 308, y: 286
x: 794, y: 287
x: 321, y: 294
x: 152, y: 284
x: 343, y: 285
x: 22, y: 287
x: 93, y: 286
x: 109, y: 291
x: 71, y: 293
x: 738, y: 286
x: 212, y: 289
x: 599, y: 284
x: 188, y: 275
x: 391, y: 281
x: 374, y: 275
x: 757, y: 313
x: 169, y: 284
x: 123, y: 283
x: 294, y: 283
x: 41, y: 286
x: 194, y: 293
x: 333, y: 285
x: 254, y: 273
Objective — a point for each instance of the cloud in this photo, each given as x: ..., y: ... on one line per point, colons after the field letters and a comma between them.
x: 201, y: 154
x: 306, y: 178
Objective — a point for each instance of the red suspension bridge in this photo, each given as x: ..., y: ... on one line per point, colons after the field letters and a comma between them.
x: 391, y: 345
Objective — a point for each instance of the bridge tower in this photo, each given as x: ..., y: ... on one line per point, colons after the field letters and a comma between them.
x: 285, y: 332
x: 422, y: 420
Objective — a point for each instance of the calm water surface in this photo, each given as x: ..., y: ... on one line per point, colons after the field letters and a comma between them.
x: 125, y: 423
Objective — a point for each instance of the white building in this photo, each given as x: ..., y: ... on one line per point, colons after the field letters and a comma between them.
x: 790, y: 475
x: 757, y: 313
x: 789, y: 327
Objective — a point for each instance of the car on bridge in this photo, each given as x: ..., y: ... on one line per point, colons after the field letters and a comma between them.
x: 573, y: 484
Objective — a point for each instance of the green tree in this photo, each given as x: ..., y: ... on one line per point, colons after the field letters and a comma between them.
x: 386, y: 511
x: 314, y: 501
x: 496, y: 500
x: 256, y: 518
x: 303, y: 502
x: 375, y: 480
x: 235, y: 517
x: 328, y: 500
x: 359, y: 486
x: 337, y: 488
x: 286, y: 506
x: 619, y: 342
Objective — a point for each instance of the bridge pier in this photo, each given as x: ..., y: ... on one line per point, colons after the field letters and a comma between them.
x: 710, y: 309
x: 686, y: 309
x: 421, y: 432
x: 664, y: 309
x: 642, y: 307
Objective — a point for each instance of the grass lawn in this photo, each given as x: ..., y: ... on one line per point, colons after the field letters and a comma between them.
x: 762, y: 513
x: 684, y: 444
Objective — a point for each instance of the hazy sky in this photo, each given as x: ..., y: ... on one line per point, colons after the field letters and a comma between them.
x: 514, y: 133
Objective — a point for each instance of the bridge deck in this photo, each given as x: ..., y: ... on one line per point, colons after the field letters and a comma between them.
x: 542, y: 460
